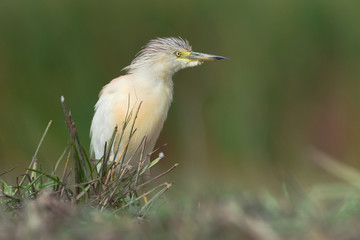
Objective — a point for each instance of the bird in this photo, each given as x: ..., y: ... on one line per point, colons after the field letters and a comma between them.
x: 148, y: 83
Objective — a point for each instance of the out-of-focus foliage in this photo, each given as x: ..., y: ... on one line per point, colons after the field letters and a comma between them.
x: 315, y: 215
x: 292, y: 81
x: 292, y: 85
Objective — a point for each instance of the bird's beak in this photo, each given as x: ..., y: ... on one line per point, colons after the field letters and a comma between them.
x: 204, y: 57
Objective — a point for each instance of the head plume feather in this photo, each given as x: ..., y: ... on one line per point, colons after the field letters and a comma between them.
x: 152, y: 49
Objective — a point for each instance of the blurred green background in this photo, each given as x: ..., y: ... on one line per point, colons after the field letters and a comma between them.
x: 292, y: 82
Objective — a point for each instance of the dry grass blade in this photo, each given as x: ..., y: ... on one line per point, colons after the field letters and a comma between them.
x: 10, y: 170
x: 33, y: 163
x: 151, y: 201
x: 157, y: 177
x: 80, y: 165
x: 167, y: 186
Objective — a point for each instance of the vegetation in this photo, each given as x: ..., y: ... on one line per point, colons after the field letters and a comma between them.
x: 83, y: 203
x: 116, y: 186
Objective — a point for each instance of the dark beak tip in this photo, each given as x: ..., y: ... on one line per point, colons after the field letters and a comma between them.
x: 221, y: 58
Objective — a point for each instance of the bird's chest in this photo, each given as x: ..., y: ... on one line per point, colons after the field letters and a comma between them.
x: 155, y: 103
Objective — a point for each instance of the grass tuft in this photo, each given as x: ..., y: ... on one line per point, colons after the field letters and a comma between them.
x: 115, y: 187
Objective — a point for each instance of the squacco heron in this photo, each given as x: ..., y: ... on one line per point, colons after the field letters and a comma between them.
x: 149, y: 81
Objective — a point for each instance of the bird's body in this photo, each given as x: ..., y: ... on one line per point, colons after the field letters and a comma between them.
x: 118, y: 98
x: 149, y: 82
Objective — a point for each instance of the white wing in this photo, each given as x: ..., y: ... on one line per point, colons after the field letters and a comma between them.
x: 108, y: 109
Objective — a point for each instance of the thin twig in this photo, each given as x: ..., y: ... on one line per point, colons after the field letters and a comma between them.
x: 34, y: 158
x: 158, y: 176
x: 76, y: 140
x: 168, y: 185
x: 10, y: 170
x: 11, y: 197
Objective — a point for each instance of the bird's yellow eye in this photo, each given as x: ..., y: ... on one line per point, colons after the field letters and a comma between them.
x: 177, y: 53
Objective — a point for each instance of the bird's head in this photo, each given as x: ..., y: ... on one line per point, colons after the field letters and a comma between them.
x: 167, y: 56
